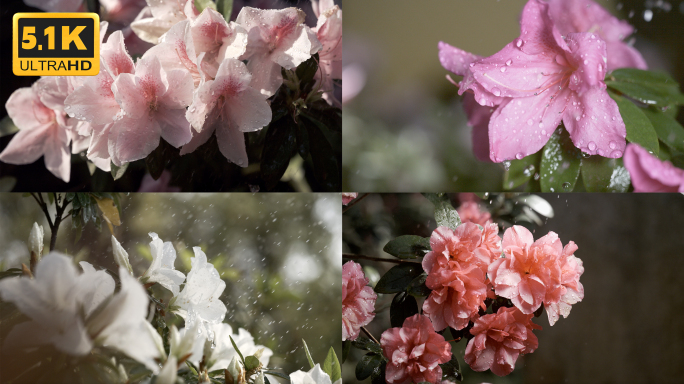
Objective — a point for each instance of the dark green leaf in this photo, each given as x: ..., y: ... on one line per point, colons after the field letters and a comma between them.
x: 601, y: 174
x: 302, y: 140
x: 225, y: 7
x: 329, y: 116
x: 251, y: 363
x: 417, y: 286
x: 308, y: 354
x: 668, y: 129
x: 93, y: 6
x: 445, y: 214
x: 12, y: 272
x: 7, y: 183
x: 325, y: 163
x: 367, y: 344
x: 451, y: 370
x: 276, y: 373
x: 331, y: 366
x: 640, y: 76
x: 278, y: 148
x: 639, y: 127
x: 367, y: 365
x: 305, y: 73
x: 403, y: 306
x: 407, y: 246
x: 398, y: 278
x: 378, y: 375
x: 560, y: 163
x: 118, y: 172
x: 678, y: 161
x: 157, y: 161
x: 346, y: 347
x: 646, y: 86
x: 520, y: 171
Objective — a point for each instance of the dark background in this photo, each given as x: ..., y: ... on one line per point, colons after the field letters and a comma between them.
x: 630, y: 326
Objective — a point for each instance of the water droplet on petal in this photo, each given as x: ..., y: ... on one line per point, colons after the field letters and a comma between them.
x: 509, y: 62
x: 612, y: 145
x: 519, y: 156
x: 616, y: 154
x: 530, y: 122
x: 591, y: 146
x: 496, y: 91
x: 503, y: 69
x: 519, y: 42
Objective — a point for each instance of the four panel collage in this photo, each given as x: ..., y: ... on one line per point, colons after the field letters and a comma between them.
x: 494, y: 196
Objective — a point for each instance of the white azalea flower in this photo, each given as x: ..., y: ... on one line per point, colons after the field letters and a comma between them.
x: 223, y: 351
x: 161, y: 270
x: 120, y: 255
x: 35, y: 242
x: 199, y: 299
x: 314, y: 376
x: 168, y: 373
x: 75, y: 312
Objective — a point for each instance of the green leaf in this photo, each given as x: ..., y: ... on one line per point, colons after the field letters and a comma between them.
x: 668, y: 129
x: 398, y: 278
x: 327, y: 168
x: 7, y: 126
x: 646, y: 86
x: 225, y: 7
x: 308, y: 354
x: 201, y: 4
x: 601, y: 174
x: 251, y: 363
x: 346, y: 347
x: 520, y: 171
x: 417, y: 286
x: 369, y: 363
x: 305, y: 73
x: 279, y: 145
x: 378, y: 375
x: 12, y: 272
x: 408, y: 246
x: 560, y: 163
x: 276, y: 373
x: 445, y: 214
x: 331, y: 366
x: 118, y: 172
x: 639, y: 127
x: 451, y: 370
x: 237, y: 350
x: 403, y: 306
x: 367, y: 344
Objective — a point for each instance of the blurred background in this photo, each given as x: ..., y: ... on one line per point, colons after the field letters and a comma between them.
x: 630, y: 325
x: 404, y: 127
x: 278, y: 253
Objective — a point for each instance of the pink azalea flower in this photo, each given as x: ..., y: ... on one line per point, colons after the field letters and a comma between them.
x: 530, y: 273
x: 470, y: 212
x: 165, y: 14
x: 587, y: 16
x: 217, y: 39
x: 539, y: 80
x: 329, y: 32
x: 414, y: 351
x: 358, y: 301
x: 572, y: 289
x: 43, y: 131
x: 460, y: 246
x: 277, y: 38
x: 228, y: 106
x: 153, y: 102
x: 347, y: 197
x: 499, y: 339
x: 491, y: 241
x: 649, y: 174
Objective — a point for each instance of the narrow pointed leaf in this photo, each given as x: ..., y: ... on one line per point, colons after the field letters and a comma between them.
x: 308, y: 354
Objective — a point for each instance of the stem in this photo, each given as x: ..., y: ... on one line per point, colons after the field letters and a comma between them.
x: 59, y: 210
x: 354, y: 202
x: 369, y: 335
x: 364, y: 257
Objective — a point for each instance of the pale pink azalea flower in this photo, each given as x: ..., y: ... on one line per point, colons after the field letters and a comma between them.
x: 42, y: 132
x: 649, y: 174
x: 358, y: 301
x: 530, y: 274
x: 539, y: 80
x: 153, y: 102
x: 277, y: 38
x: 229, y: 106
x: 347, y: 197
x: 500, y: 338
x: 176, y: 51
x: 572, y: 289
x: 414, y: 352
x: 162, y: 184
x: 165, y: 14
x: 329, y: 32
x: 587, y: 16
x: 471, y: 212
x: 217, y: 39
x: 57, y: 5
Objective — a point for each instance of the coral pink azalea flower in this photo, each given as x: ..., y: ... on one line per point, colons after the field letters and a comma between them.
x: 277, y: 38
x: 470, y: 212
x: 153, y: 102
x: 649, y: 174
x: 42, y: 132
x: 539, y: 80
x: 228, y: 106
x: 499, y: 339
x: 572, y: 289
x: 530, y: 273
x: 587, y: 16
x: 358, y: 301
x: 347, y: 197
x: 414, y: 352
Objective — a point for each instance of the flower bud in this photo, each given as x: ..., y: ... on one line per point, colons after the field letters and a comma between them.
x: 259, y: 379
x: 235, y: 374
x: 35, y: 244
x: 120, y: 255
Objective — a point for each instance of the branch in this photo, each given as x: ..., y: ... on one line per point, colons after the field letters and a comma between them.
x: 353, y: 202
x: 43, y: 206
x: 369, y: 335
x: 364, y: 257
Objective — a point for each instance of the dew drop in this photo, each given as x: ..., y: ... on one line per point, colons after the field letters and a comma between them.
x: 577, y: 118
x: 519, y: 42
x: 530, y: 122
x: 503, y: 69
x: 496, y: 91
x: 509, y: 62
x: 566, y: 186
x: 519, y: 156
x: 591, y: 146
x: 543, y: 130
x: 616, y: 154
x: 612, y: 145
x: 540, y: 126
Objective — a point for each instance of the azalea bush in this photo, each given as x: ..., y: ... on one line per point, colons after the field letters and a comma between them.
x: 214, y: 104
x: 569, y: 105
x: 465, y: 283
x: 88, y: 322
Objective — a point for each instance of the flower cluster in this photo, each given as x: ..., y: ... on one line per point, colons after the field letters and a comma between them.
x: 204, y: 76
x: 552, y: 73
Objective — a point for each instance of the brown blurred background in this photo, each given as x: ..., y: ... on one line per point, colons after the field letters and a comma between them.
x: 630, y: 326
